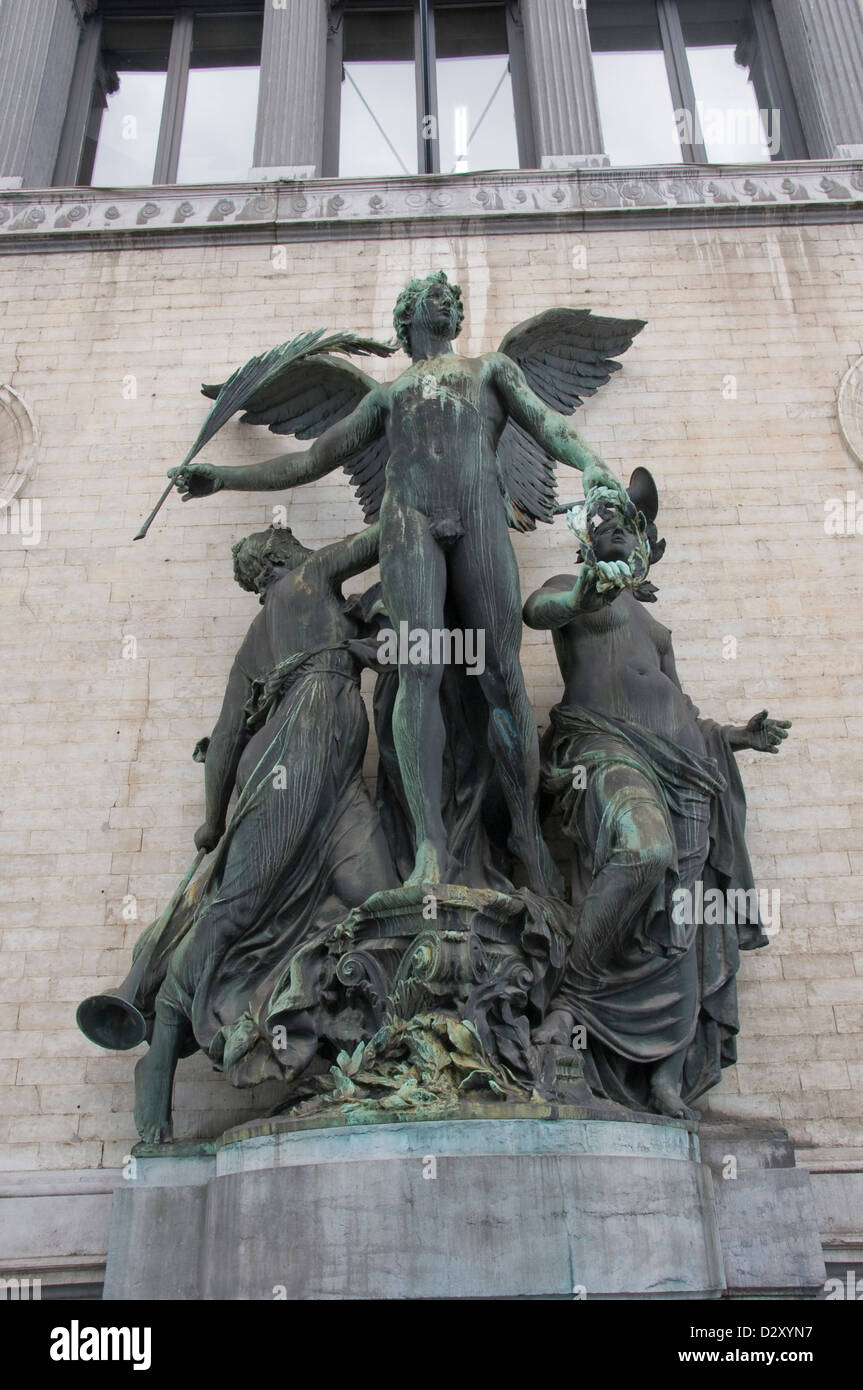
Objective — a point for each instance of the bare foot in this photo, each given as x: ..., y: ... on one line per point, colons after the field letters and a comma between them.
x: 665, y: 1100
x: 555, y: 1029
x: 428, y: 866
x: 152, y: 1109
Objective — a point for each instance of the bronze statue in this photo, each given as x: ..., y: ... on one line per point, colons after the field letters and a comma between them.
x: 303, y: 844
x: 383, y: 957
x: 651, y: 797
x: 446, y: 457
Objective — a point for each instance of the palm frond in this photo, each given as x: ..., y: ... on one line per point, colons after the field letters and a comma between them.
x: 247, y: 381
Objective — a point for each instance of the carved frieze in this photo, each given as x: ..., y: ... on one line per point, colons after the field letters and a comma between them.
x: 790, y: 192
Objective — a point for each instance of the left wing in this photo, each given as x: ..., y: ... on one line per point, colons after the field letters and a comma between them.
x: 565, y: 354
x: 302, y: 389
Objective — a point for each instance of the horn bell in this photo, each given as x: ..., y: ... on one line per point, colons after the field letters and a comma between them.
x: 110, y: 1020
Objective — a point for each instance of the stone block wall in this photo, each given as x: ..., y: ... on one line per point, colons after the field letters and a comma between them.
x: 115, y: 654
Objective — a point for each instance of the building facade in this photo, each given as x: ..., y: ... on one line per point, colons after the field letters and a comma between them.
x: 185, y: 185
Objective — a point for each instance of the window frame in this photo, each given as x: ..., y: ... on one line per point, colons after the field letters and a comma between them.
x: 182, y: 16
x: 425, y: 67
x: 770, y: 77
x: 774, y: 72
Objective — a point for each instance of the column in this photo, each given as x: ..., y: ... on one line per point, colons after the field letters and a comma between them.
x: 290, y: 136
x: 562, y: 88
x: 823, y: 45
x: 38, y: 44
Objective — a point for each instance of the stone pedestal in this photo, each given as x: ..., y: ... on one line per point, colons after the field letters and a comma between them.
x: 509, y: 1201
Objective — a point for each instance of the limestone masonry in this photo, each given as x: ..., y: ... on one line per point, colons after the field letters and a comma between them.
x: 115, y: 655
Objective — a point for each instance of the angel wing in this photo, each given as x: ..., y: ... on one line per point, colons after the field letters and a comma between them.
x: 565, y: 354
x: 302, y: 389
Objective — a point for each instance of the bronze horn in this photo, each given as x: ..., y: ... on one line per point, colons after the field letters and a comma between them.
x: 112, y: 1019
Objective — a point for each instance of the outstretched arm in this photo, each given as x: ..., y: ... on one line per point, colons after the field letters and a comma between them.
x: 334, y: 447
x: 350, y: 556
x: 230, y: 737
x: 551, y: 430
x: 763, y: 734
x: 554, y: 605
x: 562, y: 598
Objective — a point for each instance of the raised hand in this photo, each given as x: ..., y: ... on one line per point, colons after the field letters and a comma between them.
x: 196, y: 479
x: 612, y: 574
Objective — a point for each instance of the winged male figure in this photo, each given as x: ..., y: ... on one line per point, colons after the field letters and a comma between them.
x: 447, y: 456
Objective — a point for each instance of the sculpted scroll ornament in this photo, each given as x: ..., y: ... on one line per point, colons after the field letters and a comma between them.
x: 850, y: 407
x: 19, y: 438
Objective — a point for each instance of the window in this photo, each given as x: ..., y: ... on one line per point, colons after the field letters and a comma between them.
x: 692, y: 81
x: 173, y: 100
x: 377, y: 131
x: 475, y: 106
x: 427, y: 87
x: 636, y: 107
x: 221, y: 109
x: 128, y: 96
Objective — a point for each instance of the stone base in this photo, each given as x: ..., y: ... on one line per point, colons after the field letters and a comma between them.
x: 537, y: 1201
x: 575, y: 161
x: 282, y: 173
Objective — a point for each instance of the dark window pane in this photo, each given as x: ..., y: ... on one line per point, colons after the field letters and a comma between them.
x: 378, y: 131
x: 476, y: 114
x: 737, y: 127
x: 635, y: 105
x: 221, y: 99
x: 123, y: 130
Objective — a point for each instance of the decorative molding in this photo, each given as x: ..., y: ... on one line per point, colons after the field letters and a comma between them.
x: 850, y: 409
x: 829, y: 190
x: 19, y: 439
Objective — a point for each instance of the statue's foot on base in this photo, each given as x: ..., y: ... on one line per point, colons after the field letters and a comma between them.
x: 556, y: 1028
x: 665, y: 1100
x: 152, y: 1105
x: 429, y: 866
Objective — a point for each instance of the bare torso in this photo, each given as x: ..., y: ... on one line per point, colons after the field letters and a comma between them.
x: 611, y: 662
x: 444, y: 421
x: 303, y: 612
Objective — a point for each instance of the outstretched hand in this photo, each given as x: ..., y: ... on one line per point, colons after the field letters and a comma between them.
x: 596, y: 475
x: 195, y: 480
x: 763, y: 734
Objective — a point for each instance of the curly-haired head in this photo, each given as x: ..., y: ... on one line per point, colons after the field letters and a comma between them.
x: 410, y: 297
x: 258, y: 555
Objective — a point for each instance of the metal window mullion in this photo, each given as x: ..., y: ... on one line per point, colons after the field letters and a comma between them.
x: 174, y: 108
x: 520, y: 88
x: 792, y: 139
x: 333, y: 94
x: 80, y: 104
x: 679, y: 76
x: 428, y: 151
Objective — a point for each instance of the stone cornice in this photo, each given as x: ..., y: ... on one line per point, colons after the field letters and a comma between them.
x: 84, y: 218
